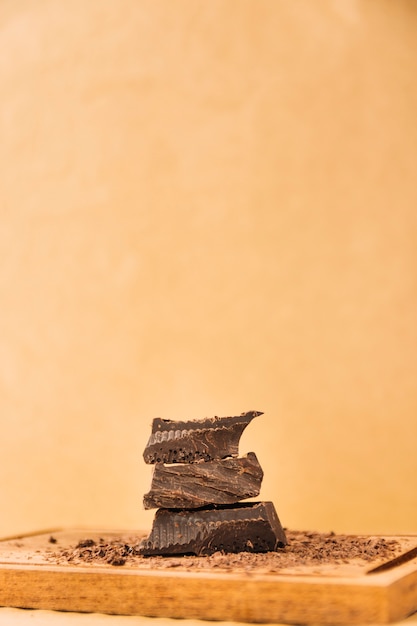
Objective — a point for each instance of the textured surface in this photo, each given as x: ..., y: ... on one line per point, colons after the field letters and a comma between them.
x: 307, y: 597
x: 194, y: 485
x: 251, y: 527
x: 306, y: 552
x: 179, y: 441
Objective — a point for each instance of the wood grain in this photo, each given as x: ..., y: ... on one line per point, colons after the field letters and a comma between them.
x: 349, y: 595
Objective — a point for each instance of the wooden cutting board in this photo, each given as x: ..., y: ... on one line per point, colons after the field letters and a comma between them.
x: 329, y: 594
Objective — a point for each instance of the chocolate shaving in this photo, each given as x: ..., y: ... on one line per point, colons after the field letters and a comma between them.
x: 304, y: 549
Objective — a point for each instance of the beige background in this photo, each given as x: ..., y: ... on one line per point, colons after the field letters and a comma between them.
x: 208, y: 206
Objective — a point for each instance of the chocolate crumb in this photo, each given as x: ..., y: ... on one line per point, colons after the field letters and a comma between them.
x: 114, y: 560
x: 305, y: 548
x: 86, y: 543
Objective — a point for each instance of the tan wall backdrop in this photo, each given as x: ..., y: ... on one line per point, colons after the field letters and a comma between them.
x: 208, y: 206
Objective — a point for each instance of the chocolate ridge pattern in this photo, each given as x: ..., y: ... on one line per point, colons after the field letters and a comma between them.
x: 249, y: 527
x: 196, y: 440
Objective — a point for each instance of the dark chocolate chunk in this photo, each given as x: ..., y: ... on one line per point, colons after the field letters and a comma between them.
x: 195, y: 440
x: 244, y: 527
x: 195, y: 485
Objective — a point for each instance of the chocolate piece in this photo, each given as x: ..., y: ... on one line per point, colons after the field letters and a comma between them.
x: 189, y: 441
x: 244, y: 527
x: 194, y: 485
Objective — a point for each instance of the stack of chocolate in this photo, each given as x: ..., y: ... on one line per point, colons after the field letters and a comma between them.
x: 197, y: 485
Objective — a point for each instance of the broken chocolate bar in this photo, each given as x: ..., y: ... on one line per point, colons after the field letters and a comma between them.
x: 194, y: 485
x: 196, y: 440
x: 244, y: 527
